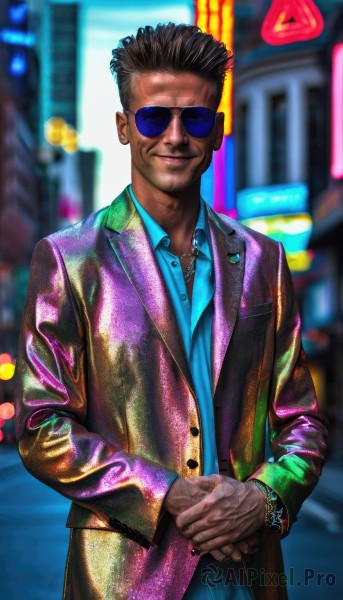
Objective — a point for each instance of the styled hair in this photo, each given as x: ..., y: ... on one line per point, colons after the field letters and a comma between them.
x: 170, y: 47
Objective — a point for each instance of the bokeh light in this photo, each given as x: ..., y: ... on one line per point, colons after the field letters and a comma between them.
x: 7, y: 411
x: 69, y: 140
x: 7, y: 371
x: 54, y: 130
x: 5, y: 358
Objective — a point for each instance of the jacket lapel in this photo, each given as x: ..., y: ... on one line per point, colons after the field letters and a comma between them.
x: 229, y: 260
x: 131, y: 245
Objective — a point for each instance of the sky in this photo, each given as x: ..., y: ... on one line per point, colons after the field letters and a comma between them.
x: 103, y: 24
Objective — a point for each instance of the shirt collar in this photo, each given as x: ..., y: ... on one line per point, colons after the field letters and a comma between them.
x: 157, y: 234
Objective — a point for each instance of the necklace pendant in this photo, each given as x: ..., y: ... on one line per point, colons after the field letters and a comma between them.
x: 192, y: 252
x: 189, y: 271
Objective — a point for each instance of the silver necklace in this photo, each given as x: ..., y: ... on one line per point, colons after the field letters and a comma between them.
x: 193, y: 252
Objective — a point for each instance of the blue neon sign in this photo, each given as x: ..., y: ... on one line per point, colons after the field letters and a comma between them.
x: 18, y: 63
x: 272, y: 200
x: 16, y: 37
x: 17, y: 13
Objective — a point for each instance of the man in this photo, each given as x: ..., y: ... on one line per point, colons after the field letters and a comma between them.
x: 158, y: 339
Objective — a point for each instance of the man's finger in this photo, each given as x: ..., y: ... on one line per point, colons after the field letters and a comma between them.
x: 216, y: 543
x: 205, y: 482
x: 231, y: 551
x: 219, y: 556
x: 204, y: 535
x: 197, y: 528
x: 195, y: 513
x: 209, y: 539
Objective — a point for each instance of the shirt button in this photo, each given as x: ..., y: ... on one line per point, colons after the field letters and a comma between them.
x: 165, y: 242
x: 183, y: 296
x: 195, y: 431
x: 192, y: 464
x: 174, y: 263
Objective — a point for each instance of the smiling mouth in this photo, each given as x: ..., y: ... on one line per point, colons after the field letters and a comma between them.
x: 174, y: 158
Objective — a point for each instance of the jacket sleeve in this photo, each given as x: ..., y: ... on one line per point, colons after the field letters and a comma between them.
x: 125, y: 491
x: 297, y: 432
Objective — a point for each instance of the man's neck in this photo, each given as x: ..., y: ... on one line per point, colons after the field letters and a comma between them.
x: 176, y: 213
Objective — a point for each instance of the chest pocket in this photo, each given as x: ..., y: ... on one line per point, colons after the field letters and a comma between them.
x: 255, y: 310
x: 249, y: 339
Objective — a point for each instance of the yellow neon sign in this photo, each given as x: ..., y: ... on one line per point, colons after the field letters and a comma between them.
x: 217, y: 18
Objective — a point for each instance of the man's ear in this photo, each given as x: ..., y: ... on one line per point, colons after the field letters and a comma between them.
x: 219, y: 129
x: 122, y: 127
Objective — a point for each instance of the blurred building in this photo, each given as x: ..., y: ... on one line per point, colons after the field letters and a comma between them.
x: 323, y: 296
x: 43, y: 186
x: 19, y: 118
x: 283, y: 108
x: 19, y: 198
x: 60, y: 59
x: 67, y: 171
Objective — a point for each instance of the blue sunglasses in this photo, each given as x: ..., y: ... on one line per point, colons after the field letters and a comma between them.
x: 151, y: 121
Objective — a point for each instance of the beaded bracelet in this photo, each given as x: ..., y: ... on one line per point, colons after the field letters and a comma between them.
x: 275, y: 513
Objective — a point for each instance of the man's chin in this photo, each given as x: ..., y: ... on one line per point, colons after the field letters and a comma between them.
x: 175, y: 187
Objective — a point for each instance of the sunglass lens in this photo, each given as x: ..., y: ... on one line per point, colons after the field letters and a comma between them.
x: 151, y: 121
x: 198, y: 120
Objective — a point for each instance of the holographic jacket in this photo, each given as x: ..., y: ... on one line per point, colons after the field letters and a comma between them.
x: 106, y: 408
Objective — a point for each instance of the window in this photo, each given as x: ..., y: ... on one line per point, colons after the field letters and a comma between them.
x: 277, y: 136
x: 317, y: 144
x: 63, y: 76
x: 242, y: 146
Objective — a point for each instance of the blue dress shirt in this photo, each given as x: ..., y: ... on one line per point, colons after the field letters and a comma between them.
x: 195, y: 323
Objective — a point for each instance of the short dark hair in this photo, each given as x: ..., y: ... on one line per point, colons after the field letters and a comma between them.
x: 170, y: 47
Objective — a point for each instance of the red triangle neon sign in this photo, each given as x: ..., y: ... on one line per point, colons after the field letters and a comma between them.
x: 289, y: 21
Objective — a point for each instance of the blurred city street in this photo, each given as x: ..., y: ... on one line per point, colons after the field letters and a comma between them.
x: 33, y: 534
x: 34, y: 538
x: 279, y: 172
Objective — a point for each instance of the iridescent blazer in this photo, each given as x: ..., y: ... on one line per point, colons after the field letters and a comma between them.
x: 106, y: 408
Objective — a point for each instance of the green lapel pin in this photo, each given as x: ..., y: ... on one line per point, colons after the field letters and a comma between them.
x: 234, y: 258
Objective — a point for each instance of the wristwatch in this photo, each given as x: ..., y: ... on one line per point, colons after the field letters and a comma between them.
x: 276, y: 513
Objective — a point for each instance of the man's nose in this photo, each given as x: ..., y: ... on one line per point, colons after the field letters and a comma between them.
x: 175, y: 133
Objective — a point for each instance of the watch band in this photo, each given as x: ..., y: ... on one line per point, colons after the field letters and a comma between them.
x: 275, y: 514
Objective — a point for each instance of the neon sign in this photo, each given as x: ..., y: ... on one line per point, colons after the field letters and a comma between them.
x: 17, y: 37
x: 217, y: 18
x: 337, y: 113
x: 300, y: 261
x: 272, y: 200
x: 16, y: 34
x: 18, y: 63
x: 294, y: 231
x: 290, y: 21
x: 17, y: 13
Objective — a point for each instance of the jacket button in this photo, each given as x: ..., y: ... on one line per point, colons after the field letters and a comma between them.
x: 195, y: 431
x: 192, y: 464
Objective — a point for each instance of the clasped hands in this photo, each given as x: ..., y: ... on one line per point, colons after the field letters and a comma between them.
x: 220, y: 515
